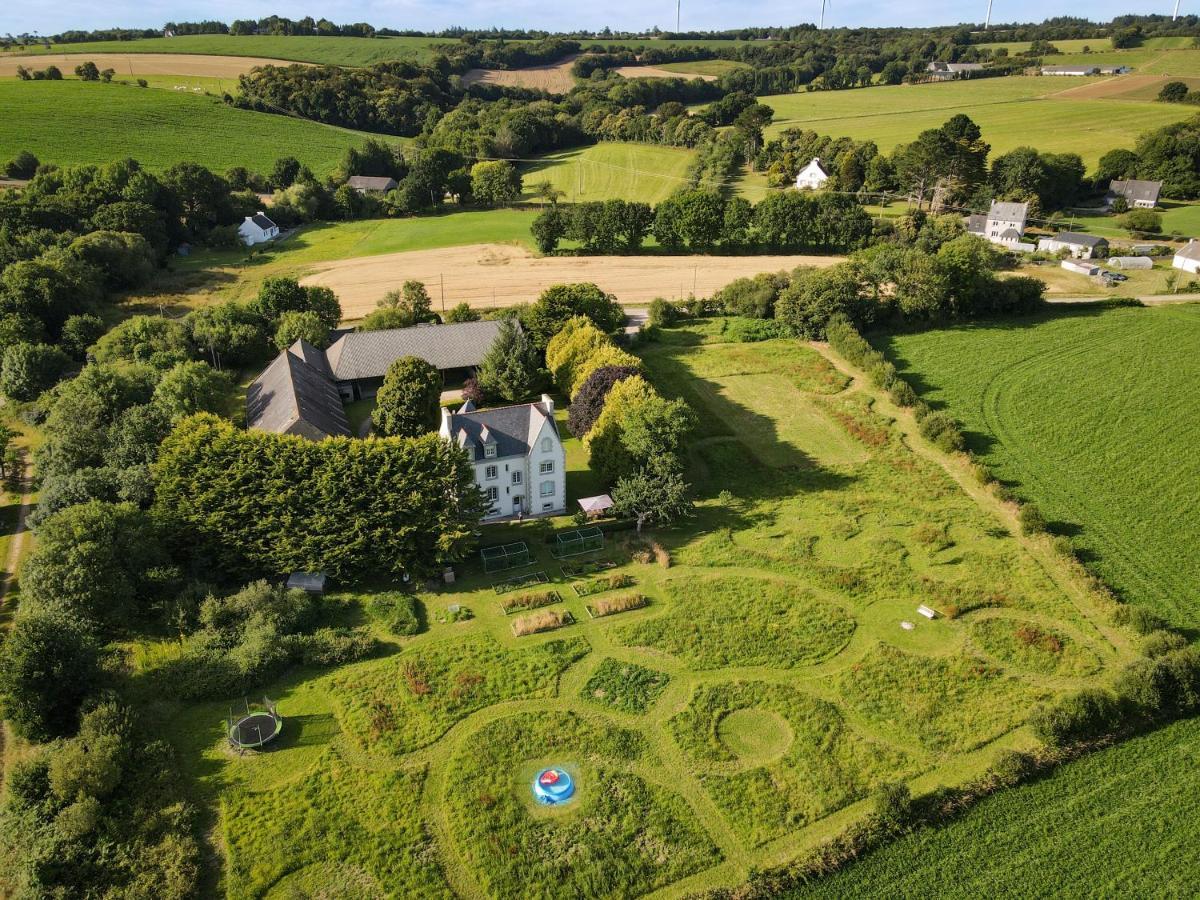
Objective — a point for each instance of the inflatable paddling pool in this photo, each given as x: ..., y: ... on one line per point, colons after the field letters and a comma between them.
x: 553, y: 786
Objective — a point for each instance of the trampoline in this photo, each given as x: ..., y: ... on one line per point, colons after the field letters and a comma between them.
x: 255, y: 728
x: 552, y: 787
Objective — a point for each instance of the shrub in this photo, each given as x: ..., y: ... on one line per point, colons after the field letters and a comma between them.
x: 1030, y: 519
x: 1012, y: 767
x: 332, y: 646
x: 663, y: 313
x: 409, y: 400
x: 893, y: 806
x: 546, y: 620
x: 1161, y: 642
x: 1138, y: 619
x: 942, y: 431
x: 608, y: 606
x: 902, y: 393
x: 750, y: 331
x: 23, y: 165
x: 48, y: 665
x: 399, y: 612
x: 1085, y: 715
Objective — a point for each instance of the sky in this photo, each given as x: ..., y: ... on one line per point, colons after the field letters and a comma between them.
x: 625, y: 15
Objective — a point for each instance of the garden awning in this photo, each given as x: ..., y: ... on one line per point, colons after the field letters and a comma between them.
x: 594, y: 506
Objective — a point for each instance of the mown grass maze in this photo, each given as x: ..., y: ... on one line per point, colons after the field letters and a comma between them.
x: 773, y: 671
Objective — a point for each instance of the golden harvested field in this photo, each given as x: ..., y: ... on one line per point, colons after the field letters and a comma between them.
x: 655, y: 72
x: 555, y: 78
x: 502, y: 275
x: 181, y: 64
x: 1125, y: 87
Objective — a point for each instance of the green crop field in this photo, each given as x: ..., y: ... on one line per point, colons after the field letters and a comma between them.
x: 334, y: 51
x: 1093, y: 415
x: 73, y: 123
x: 745, y: 712
x: 1117, y: 823
x: 611, y: 171
x: 1012, y: 112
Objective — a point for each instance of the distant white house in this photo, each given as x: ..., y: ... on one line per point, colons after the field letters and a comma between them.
x: 1004, y: 224
x: 518, y: 456
x: 257, y: 229
x: 944, y: 71
x: 1188, y: 258
x: 1080, y: 267
x: 1080, y: 246
x: 1070, y: 70
x: 812, y: 177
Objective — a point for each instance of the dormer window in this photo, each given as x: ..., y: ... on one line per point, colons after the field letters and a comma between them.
x: 489, y: 451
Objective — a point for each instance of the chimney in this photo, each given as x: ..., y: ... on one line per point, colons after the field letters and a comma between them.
x: 549, y: 404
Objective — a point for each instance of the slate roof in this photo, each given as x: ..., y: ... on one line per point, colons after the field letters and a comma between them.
x: 367, y: 354
x: 513, y: 428
x: 1068, y: 70
x: 976, y: 224
x: 1134, y: 189
x: 1191, y: 251
x: 262, y: 221
x: 1008, y: 212
x: 292, y: 392
x: 937, y: 66
x: 1010, y: 234
x: 371, y: 182
x: 1079, y: 240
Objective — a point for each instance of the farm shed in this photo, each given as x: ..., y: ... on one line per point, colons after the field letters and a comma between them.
x: 1081, y: 268
x: 1080, y: 246
x: 1131, y: 262
x: 370, y: 184
x: 1188, y: 258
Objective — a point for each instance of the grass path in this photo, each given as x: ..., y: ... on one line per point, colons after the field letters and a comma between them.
x: 16, y: 544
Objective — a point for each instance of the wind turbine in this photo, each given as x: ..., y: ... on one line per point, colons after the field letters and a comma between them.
x: 677, y: 2
x: 1175, y: 15
x: 823, y: 2
x: 988, y: 21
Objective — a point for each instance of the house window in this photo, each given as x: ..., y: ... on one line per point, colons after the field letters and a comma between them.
x: 516, y: 477
x: 547, y: 467
x: 490, y: 473
x: 493, y: 494
x: 490, y: 451
x: 547, y: 445
x: 547, y: 489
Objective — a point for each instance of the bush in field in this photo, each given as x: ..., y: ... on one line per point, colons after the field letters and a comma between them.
x: 1138, y: 618
x: 753, y: 297
x: 940, y: 429
x: 398, y: 612
x: 1141, y: 222
x: 1031, y: 520
x: 893, y: 807
x: 1083, y: 716
x: 663, y: 313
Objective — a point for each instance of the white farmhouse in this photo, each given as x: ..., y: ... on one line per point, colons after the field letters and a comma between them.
x: 1004, y: 225
x: 1188, y: 258
x: 518, y: 456
x: 257, y: 229
x: 812, y: 177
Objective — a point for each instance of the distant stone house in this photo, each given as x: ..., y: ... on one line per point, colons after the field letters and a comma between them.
x: 812, y: 177
x: 303, y: 389
x: 1004, y: 224
x: 1138, y: 194
x: 1188, y: 258
x: 257, y: 229
x: 518, y: 456
x: 1081, y: 246
x: 371, y: 184
x: 295, y: 395
x: 358, y: 360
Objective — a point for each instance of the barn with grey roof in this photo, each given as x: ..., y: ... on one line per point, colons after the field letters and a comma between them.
x: 295, y: 395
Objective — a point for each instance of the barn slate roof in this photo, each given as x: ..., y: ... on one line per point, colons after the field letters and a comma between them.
x: 292, y: 391
x: 1008, y: 212
x: 1079, y: 240
x: 367, y: 354
x: 1135, y: 189
x: 371, y: 182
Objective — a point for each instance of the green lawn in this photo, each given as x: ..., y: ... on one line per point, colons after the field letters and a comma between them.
x: 337, y: 51
x: 1117, y: 823
x: 1177, y: 216
x: 1093, y: 416
x: 1012, y: 112
x: 612, y: 170
x: 73, y: 123
x: 745, y: 712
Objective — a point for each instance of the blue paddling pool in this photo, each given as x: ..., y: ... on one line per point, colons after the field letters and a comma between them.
x: 553, y: 786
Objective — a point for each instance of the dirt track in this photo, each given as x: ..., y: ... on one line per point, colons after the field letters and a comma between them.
x: 182, y: 64
x: 501, y: 275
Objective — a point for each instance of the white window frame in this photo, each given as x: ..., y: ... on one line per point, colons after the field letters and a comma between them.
x: 493, y: 494
x: 542, y: 489
x: 491, y: 473
x: 516, y: 477
x: 546, y: 467
x: 489, y: 451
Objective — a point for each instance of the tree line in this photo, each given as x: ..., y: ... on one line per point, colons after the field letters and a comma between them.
x: 703, y: 220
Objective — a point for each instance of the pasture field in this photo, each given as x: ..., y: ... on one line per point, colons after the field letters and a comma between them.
x: 745, y: 713
x: 1120, y: 821
x: 134, y: 65
x: 611, y: 170
x: 1012, y: 112
x: 1177, y: 216
x: 714, y: 67
x: 1092, y: 415
x: 76, y: 123
x: 332, y: 51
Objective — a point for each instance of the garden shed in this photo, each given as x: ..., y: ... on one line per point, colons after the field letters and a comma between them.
x: 311, y: 582
x: 594, y: 507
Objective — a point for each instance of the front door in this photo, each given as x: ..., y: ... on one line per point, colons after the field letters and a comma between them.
x: 517, y: 505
